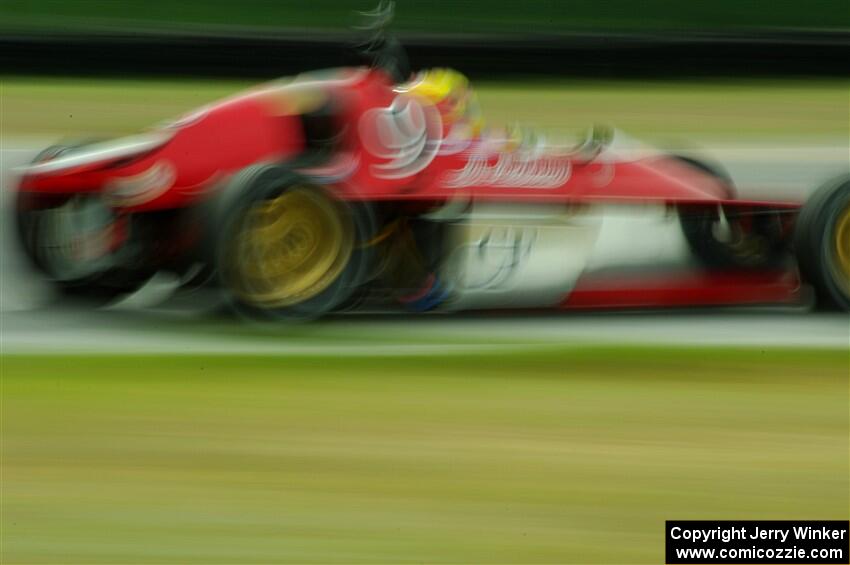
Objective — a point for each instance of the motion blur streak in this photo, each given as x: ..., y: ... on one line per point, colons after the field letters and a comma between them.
x: 560, y: 456
x: 452, y: 199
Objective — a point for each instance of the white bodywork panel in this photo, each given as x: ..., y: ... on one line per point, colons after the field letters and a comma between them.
x: 530, y: 256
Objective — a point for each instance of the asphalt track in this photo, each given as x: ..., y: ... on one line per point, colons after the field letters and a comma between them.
x: 149, y: 323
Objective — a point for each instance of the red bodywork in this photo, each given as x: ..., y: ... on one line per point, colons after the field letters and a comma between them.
x: 390, y: 146
x: 211, y: 144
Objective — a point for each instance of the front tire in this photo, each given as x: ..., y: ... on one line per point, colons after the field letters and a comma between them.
x: 723, y: 237
x: 822, y: 243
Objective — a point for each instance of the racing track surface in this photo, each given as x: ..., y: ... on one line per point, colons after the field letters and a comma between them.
x: 144, y: 323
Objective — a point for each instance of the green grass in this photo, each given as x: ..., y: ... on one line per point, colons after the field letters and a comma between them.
x: 728, y: 110
x: 562, y: 456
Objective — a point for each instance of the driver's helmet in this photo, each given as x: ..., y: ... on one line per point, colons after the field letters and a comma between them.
x: 450, y: 92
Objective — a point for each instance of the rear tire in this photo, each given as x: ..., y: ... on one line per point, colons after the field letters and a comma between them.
x: 822, y: 243
x: 286, y: 248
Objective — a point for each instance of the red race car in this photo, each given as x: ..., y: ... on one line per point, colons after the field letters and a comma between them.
x: 352, y: 187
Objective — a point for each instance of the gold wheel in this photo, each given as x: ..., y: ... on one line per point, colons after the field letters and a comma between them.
x: 841, y: 240
x: 289, y: 249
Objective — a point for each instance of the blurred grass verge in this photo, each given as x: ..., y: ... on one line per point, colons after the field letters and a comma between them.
x: 573, y: 455
x: 728, y: 110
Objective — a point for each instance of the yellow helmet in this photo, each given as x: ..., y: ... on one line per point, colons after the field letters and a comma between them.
x: 450, y: 91
x: 437, y: 84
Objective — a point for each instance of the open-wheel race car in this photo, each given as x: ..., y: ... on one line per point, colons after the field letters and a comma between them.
x: 363, y: 188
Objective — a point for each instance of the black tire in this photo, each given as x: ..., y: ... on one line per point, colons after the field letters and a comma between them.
x: 97, y: 289
x: 260, y: 183
x: 816, y: 245
x: 768, y: 249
